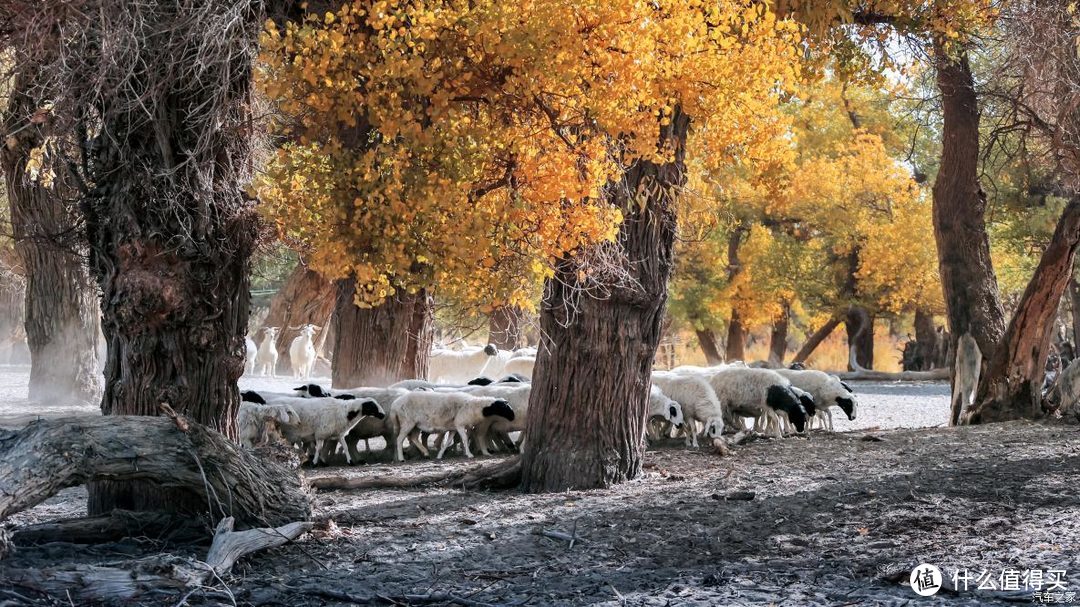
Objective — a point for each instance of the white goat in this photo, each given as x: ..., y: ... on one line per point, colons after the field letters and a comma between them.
x: 266, y: 357
x: 458, y: 367
x: 302, y: 352
x: 442, y: 412
x: 250, y: 351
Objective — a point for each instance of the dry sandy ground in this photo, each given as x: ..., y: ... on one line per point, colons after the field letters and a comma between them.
x: 833, y: 519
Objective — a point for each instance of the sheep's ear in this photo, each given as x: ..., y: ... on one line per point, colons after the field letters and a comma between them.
x: 371, y: 407
x: 847, y: 387
x: 490, y: 350
x: 346, y: 397
x: 250, y: 396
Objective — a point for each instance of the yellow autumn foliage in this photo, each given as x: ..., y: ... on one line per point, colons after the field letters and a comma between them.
x: 465, y: 146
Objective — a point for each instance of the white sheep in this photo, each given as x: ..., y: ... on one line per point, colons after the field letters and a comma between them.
x: 494, y: 366
x: 517, y: 395
x: 442, y: 412
x: 250, y: 351
x: 827, y: 391
x: 528, y: 351
x: 698, y: 401
x: 302, y: 352
x: 266, y: 357
x: 760, y: 394
x: 664, y: 407
x: 324, y: 419
x: 520, y: 366
x: 255, y: 422
x: 458, y: 367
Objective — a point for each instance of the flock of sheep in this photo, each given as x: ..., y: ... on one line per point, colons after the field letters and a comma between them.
x: 459, y: 403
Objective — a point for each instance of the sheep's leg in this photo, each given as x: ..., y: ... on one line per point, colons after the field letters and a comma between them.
x: 482, y: 438
x: 828, y: 415
x: 776, y: 425
x: 403, y: 431
x: 318, y: 450
x: 464, y: 441
x: 367, y: 445
x: 345, y: 447
x: 414, y: 438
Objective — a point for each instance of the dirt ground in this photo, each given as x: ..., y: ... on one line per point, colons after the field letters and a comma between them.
x: 833, y: 519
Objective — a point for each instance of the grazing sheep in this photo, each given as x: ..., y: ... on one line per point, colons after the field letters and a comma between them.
x: 302, y: 352
x: 760, y: 394
x: 662, y: 406
x: 267, y: 355
x: 323, y: 419
x: 458, y: 367
x: 521, y: 365
x: 517, y: 395
x: 514, y: 379
x: 257, y: 422
x: 250, y: 351
x: 698, y: 401
x: 827, y: 390
x: 312, y: 391
x: 442, y: 412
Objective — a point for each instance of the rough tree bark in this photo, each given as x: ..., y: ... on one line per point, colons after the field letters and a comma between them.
x: 1074, y: 305
x: 305, y: 298
x: 170, y: 230
x: 1011, y: 386
x: 587, y: 408
x: 860, y: 334
x: 504, y: 327
x: 736, y: 334
x: 778, y: 337
x: 381, y: 345
x: 815, y: 340
x: 972, y: 301
x: 61, y: 305
x: 707, y: 341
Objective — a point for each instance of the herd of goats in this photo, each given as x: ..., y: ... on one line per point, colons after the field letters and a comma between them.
x: 460, y: 402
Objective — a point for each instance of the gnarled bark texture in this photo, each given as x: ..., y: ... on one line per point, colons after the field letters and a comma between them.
x: 170, y: 231
x: 381, y: 345
x: 305, y: 298
x: 778, y: 337
x: 590, y: 390
x: 61, y: 303
x: 504, y: 327
x: 972, y: 301
x: 736, y: 334
x: 1011, y: 386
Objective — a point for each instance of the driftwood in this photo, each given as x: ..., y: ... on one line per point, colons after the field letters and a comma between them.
x: 119, y: 524
x: 159, y: 576
x: 49, y: 455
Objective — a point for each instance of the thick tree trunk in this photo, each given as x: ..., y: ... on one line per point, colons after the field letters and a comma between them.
x: 707, y: 341
x: 61, y: 304
x: 860, y: 334
x: 972, y: 300
x: 305, y: 298
x: 170, y: 230
x: 929, y: 349
x: 815, y: 340
x: 381, y: 345
x: 504, y: 327
x: 736, y: 334
x: 1011, y: 386
x: 778, y: 338
x: 587, y: 408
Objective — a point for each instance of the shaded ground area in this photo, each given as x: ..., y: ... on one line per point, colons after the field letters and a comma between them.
x: 833, y: 520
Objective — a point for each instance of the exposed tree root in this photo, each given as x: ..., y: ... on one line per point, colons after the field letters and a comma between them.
x: 119, y: 524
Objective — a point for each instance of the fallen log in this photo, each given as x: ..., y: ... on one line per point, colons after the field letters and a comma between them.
x: 115, y: 526
x: 152, y: 578
x: 504, y: 474
x: 870, y: 375
x: 49, y: 455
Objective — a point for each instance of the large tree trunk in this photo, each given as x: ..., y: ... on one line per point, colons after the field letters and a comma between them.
x: 736, y: 334
x: 707, y: 341
x: 815, y: 340
x: 1011, y: 386
x: 591, y: 384
x: 972, y: 300
x: 860, y: 333
x: 305, y: 298
x: 778, y: 338
x: 381, y: 345
x: 170, y: 231
x: 61, y: 304
x: 504, y: 327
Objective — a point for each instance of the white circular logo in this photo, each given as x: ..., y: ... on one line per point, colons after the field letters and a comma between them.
x: 926, y: 580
